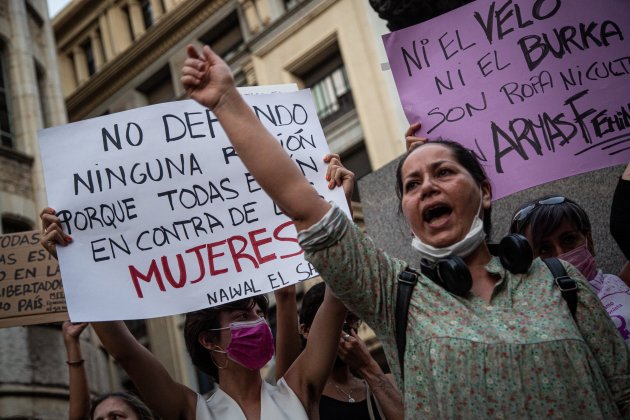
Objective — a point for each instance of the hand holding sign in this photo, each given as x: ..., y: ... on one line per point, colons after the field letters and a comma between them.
x: 338, y: 175
x: 72, y: 331
x: 52, y: 232
x: 410, y: 136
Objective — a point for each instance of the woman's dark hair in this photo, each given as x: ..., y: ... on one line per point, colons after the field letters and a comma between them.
x: 138, y: 407
x: 206, y: 319
x: 464, y: 157
x: 545, y: 218
x: 311, y: 302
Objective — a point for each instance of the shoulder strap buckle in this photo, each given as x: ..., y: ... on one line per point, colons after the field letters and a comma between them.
x: 566, y: 284
x: 568, y: 287
x: 408, y: 276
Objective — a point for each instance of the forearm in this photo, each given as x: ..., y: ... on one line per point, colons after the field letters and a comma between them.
x: 287, y: 338
x: 321, y: 347
x: 157, y: 388
x: 270, y: 165
x: 79, y: 401
x: 118, y: 341
x: 307, y: 376
x: 384, y: 390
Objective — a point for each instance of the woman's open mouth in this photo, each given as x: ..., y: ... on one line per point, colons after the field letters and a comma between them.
x: 437, y: 215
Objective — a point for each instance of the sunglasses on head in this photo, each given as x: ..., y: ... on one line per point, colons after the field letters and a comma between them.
x: 523, y: 213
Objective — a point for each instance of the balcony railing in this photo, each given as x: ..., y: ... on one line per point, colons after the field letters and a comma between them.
x: 334, y: 110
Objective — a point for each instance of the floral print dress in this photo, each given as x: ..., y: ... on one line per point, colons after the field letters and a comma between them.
x: 520, y: 356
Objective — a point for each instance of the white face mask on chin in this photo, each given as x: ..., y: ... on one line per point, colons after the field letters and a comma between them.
x: 463, y: 248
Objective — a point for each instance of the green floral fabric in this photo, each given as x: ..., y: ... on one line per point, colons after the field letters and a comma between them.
x: 520, y: 356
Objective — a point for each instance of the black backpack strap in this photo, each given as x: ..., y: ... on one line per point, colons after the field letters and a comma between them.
x: 407, y: 280
x: 568, y: 287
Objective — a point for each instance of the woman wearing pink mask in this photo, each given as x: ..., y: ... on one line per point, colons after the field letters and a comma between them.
x: 231, y: 343
x: 557, y: 226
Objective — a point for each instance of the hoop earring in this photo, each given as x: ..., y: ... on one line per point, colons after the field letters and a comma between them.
x: 227, y: 361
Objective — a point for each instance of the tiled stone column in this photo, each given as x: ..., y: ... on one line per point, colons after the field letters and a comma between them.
x: 99, y: 58
x: 106, y: 35
x: 119, y: 29
x: 156, y: 7
x: 135, y: 15
x: 21, y: 73
x: 80, y: 64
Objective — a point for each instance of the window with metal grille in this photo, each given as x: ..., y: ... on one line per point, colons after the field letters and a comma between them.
x: 330, y: 87
x: 332, y: 93
x: 89, y: 56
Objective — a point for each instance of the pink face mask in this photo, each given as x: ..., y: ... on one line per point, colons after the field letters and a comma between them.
x: 251, y: 345
x: 581, y: 259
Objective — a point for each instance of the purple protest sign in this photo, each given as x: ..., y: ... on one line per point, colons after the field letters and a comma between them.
x: 539, y: 90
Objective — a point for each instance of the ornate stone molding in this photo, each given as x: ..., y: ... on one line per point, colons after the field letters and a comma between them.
x: 16, y: 155
x: 168, y: 32
x: 290, y: 23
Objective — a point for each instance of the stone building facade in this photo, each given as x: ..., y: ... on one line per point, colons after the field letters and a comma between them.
x: 33, y: 375
x: 30, y: 100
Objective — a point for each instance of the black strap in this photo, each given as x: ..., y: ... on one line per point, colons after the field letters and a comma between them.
x: 407, y: 280
x: 568, y: 287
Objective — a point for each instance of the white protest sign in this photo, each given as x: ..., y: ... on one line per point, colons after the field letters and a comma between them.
x: 165, y: 218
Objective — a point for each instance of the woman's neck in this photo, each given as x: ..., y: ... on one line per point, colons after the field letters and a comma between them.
x: 342, y: 385
x: 241, y: 384
x: 482, y: 282
x: 340, y: 374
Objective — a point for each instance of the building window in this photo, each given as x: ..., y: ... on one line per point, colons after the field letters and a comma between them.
x: 225, y: 38
x: 42, y: 94
x: 89, y: 56
x: 147, y: 13
x: 330, y: 87
x: 327, y: 78
x: 6, y: 133
x: 159, y: 87
x: 332, y: 93
x: 14, y: 225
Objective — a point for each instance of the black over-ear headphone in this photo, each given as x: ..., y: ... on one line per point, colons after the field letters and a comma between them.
x: 452, y: 274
